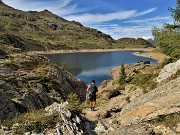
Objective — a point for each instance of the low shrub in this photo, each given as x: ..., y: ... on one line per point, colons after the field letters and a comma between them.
x: 145, y: 81
x: 166, y: 61
x: 170, y: 120
x: 74, y: 103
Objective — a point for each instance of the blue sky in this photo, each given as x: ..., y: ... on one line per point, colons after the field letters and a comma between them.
x: 118, y: 18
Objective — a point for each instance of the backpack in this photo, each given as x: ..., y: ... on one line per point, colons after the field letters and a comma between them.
x: 93, y: 89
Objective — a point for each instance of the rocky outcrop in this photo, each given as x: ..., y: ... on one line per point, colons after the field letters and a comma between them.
x: 72, y: 124
x: 3, y: 54
x: 9, y: 39
x: 67, y: 123
x: 8, y: 108
x: 168, y: 71
x: 163, y: 100
x: 130, y: 70
x: 33, y: 82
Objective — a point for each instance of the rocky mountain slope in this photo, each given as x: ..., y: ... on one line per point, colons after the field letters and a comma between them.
x: 161, y: 101
x: 28, y: 31
x: 33, y: 82
x: 42, y: 31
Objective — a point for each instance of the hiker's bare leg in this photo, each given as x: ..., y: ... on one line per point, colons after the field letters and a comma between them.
x: 91, y: 104
x: 94, y: 103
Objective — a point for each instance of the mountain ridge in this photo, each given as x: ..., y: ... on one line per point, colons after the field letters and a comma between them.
x: 23, y: 31
x: 46, y: 31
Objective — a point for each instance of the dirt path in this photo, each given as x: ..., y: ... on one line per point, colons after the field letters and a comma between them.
x: 91, y: 115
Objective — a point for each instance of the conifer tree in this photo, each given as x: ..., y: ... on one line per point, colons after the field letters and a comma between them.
x: 122, y: 78
x: 175, y: 12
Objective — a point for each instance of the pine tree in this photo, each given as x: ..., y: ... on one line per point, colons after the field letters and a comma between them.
x: 175, y: 12
x: 122, y: 78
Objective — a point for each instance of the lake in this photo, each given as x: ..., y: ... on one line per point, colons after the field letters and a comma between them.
x: 89, y: 66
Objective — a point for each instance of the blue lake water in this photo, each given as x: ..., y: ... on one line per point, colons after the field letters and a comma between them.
x: 96, y: 66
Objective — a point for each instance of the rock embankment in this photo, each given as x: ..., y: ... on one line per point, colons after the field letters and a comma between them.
x: 163, y: 100
x: 33, y: 82
x: 168, y: 70
x: 67, y: 123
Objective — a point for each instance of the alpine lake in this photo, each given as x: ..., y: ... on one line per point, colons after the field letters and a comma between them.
x: 89, y: 66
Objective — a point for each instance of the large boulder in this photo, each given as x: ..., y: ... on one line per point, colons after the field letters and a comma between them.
x: 8, y: 108
x: 168, y: 71
x: 13, y: 40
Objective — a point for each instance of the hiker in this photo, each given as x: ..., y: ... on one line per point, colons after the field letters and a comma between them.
x: 92, y: 89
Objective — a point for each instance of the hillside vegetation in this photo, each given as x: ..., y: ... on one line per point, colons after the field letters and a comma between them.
x: 43, y: 31
x: 46, y: 31
x: 133, y: 43
x: 167, y: 38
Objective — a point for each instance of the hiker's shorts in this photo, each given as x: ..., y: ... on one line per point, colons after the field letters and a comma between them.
x: 92, y: 97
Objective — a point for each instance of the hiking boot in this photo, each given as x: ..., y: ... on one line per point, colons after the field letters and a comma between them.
x: 93, y: 109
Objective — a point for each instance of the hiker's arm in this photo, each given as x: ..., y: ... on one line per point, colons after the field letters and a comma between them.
x: 88, y: 88
x: 96, y: 88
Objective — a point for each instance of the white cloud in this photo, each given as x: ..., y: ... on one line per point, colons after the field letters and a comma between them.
x: 59, y: 7
x: 141, y: 28
x: 37, y: 6
x: 145, y: 12
x: 128, y: 31
x: 99, y: 18
x: 157, y: 18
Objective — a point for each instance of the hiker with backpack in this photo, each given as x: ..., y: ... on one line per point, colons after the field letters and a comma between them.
x: 91, y: 90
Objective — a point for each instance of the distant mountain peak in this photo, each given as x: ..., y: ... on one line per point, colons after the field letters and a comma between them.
x: 150, y: 40
x: 134, y: 42
x: 48, y: 13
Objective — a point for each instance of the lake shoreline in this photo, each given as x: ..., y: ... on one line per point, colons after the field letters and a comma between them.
x: 160, y: 57
x: 148, y: 52
x: 87, y: 50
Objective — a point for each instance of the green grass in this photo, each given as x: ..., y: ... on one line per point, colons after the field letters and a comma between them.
x: 170, y: 120
x: 36, y: 121
x: 144, y: 81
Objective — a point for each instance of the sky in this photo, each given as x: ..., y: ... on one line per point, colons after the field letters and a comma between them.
x: 117, y: 18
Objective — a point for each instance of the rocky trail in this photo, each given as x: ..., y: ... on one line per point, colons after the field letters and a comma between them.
x: 91, y: 115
